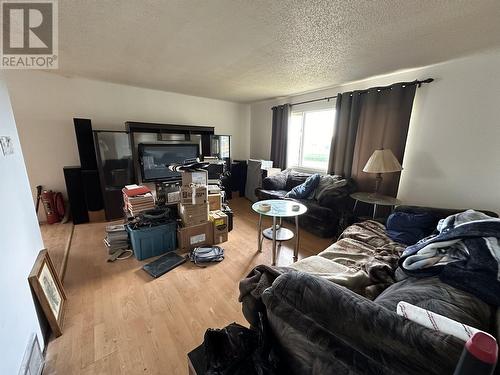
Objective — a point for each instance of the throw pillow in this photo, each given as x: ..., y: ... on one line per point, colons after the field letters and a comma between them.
x: 304, y: 190
x: 275, y: 182
x: 409, y: 228
x: 328, y: 183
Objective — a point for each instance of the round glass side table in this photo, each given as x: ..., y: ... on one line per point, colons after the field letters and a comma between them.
x: 280, y: 208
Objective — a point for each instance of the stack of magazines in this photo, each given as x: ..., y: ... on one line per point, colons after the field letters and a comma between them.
x: 137, y: 199
x: 116, y: 238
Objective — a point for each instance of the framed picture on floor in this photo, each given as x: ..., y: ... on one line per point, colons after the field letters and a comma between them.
x: 48, y: 290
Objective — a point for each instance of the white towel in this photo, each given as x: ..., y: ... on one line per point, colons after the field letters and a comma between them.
x: 436, y: 322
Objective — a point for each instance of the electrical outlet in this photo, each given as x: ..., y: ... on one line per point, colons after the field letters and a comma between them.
x: 7, y: 145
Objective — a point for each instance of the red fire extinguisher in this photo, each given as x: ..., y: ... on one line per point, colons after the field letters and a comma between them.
x: 53, y: 204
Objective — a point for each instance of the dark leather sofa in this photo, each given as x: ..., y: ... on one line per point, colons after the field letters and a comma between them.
x: 323, y: 216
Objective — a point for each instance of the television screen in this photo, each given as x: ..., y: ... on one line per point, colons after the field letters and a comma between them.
x: 156, y: 157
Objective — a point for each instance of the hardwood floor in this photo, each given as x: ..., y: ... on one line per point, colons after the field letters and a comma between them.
x: 121, y: 321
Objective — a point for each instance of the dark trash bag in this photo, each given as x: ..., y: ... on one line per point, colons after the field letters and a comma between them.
x: 237, y: 350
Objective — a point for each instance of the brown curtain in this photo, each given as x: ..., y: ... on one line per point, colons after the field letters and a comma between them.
x: 279, y: 135
x: 379, y: 118
x: 347, y: 113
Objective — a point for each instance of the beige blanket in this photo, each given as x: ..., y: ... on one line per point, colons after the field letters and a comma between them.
x: 363, y: 259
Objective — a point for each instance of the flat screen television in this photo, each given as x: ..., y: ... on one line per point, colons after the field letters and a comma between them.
x: 154, y: 159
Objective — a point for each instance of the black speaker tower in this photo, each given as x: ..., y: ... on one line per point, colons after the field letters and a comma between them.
x: 85, y: 142
x: 82, y: 183
x: 76, y: 195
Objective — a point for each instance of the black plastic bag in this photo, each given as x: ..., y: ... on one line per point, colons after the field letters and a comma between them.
x: 237, y: 350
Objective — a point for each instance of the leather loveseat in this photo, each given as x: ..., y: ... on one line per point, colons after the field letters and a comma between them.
x: 324, y: 211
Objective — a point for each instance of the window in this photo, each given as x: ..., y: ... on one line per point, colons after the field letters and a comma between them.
x: 309, y: 138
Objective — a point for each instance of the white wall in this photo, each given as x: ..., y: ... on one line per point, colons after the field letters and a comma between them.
x: 45, y: 103
x: 20, y: 242
x: 452, y: 156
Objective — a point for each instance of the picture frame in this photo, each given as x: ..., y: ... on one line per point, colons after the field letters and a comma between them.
x: 49, y: 291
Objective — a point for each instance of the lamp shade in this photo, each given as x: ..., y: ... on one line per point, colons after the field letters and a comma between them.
x: 382, y: 161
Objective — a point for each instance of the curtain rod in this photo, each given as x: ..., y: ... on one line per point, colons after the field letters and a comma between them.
x: 416, y: 82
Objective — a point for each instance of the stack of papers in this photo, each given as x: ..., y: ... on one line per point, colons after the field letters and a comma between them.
x: 116, y: 238
x: 137, y: 199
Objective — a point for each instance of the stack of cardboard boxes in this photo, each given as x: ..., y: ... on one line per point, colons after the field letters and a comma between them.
x: 202, y: 225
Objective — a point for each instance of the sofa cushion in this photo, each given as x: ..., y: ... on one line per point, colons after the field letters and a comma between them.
x: 315, y: 210
x: 432, y: 294
x: 305, y: 189
x: 354, y: 279
x: 271, y: 194
x: 275, y: 182
x: 328, y: 182
x: 409, y: 228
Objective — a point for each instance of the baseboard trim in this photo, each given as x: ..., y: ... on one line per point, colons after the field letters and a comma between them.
x: 33, y: 359
x: 64, y: 263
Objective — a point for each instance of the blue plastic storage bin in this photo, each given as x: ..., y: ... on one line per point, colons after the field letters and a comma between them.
x: 150, y: 242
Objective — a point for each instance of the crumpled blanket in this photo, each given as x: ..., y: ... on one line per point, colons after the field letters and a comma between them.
x: 363, y: 260
x: 468, y: 248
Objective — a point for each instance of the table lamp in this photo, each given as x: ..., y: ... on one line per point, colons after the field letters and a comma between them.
x: 381, y: 161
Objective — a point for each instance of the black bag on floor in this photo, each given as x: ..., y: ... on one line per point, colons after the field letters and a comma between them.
x: 237, y: 350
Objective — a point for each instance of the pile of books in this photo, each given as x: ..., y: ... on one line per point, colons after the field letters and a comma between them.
x: 116, y: 238
x: 137, y: 199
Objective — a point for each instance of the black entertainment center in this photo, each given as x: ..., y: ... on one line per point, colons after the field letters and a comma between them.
x: 140, y: 154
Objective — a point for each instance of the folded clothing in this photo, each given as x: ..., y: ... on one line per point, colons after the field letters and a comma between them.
x: 409, y: 228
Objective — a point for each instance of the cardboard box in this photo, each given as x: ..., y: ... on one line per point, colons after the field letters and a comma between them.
x: 198, y: 235
x: 194, y: 195
x: 219, y: 222
x: 199, y: 177
x: 193, y: 214
x: 213, y: 189
x: 214, y: 202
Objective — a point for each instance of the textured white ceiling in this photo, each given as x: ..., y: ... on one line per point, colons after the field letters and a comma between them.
x: 246, y: 50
